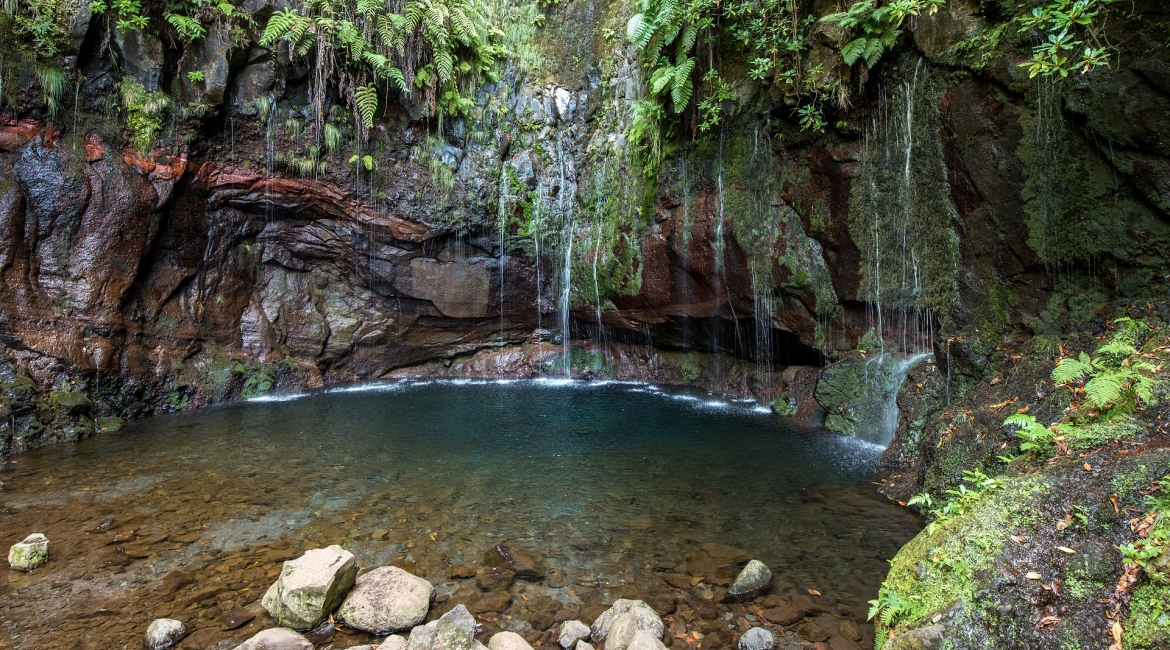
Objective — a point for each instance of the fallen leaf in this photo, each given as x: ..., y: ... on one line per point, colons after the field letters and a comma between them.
x: 696, y: 580
x: 1032, y: 575
x: 696, y: 634
x: 1019, y: 539
x: 814, y: 592
x: 1113, y: 500
x: 1047, y: 621
x: 1117, y: 633
x: 1088, y: 467
x: 1065, y: 549
x: 1024, y: 410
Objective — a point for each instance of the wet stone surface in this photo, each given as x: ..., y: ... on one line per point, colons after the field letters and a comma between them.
x: 613, y: 491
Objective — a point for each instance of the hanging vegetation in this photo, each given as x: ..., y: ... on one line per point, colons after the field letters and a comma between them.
x: 421, y: 49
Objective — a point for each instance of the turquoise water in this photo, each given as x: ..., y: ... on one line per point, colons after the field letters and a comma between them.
x: 607, y: 482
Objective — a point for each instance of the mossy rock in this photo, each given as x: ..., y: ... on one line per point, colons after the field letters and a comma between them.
x: 785, y: 405
x: 109, y: 423
x: 70, y: 402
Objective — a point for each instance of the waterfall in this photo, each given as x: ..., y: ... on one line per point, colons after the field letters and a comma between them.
x: 566, y: 199
x: 895, y: 377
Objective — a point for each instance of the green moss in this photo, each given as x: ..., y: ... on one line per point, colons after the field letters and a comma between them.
x: 946, y: 564
x: 69, y: 400
x: 1077, y: 207
x: 900, y: 211
x: 1149, y: 617
x: 109, y: 423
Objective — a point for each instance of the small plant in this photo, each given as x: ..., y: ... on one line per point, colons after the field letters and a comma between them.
x: 874, y: 28
x: 1035, y: 438
x: 889, y: 608
x: 1116, y: 378
x: 961, y: 499
x: 1072, y: 36
x: 195, y: 76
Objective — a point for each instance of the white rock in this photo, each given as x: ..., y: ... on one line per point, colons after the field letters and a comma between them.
x: 277, y: 638
x: 571, y: 633
x: 601, y: 627
x: 29, y: 554
x: 563, y: 100
x: 643, y: 640
x: 581, y: 645
x: 754, y: 580
x: 310, y: 587
x: 757, y: 638
x: 387, y: 599
x: 164, y: 633
x: 507, y: 641
x: 622, y: 632
x: 393, y: 642
x: 454, y: 630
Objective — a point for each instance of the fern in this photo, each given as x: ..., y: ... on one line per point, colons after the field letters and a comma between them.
x: 280, y: 25
x: 187, y: 27
x: 1071, y: 370
x: 366, y: 100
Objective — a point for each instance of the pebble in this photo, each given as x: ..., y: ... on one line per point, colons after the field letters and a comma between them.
x: 757, y: 638
x: 753, y: 580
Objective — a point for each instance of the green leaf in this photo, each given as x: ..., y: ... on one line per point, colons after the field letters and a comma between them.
x: 366, y: 99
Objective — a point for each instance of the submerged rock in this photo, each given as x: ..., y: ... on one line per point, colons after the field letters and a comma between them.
x: 277, y: 638
x: 571, y: 633
x: 618, y: 624
x: 387, y: 599
x: 754, y: 580
x: 30, y: 553
x: 757, y: 638
x: 164, y: 633
x: 454, y: 630
x: 508, y: 641
x: 310, y: 587
x: 517, y: 561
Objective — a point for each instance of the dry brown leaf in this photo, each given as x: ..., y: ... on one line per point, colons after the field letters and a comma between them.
x: 1113, y: 500
x: 1019, y: 539
x: 1032, y: 575
x: 1117, y: 633
x: 1065, y: 549
x: 814, y: 592
x: 1047, y: 621
x: 1088, y: 467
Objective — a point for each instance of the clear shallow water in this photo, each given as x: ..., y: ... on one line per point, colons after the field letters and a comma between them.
x: 613, y: 484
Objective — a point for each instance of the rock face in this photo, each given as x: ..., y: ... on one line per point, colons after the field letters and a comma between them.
x: 927, y: 638
x: 164, y: 633
x: 572, y: 632
x: 755, y: 579
x: 387, y: 599
x: 617, y: 626
x: 454, y: 630
x: 30, y: 553
x: 756, y: 638
x: 277, y: 638
x: 310, y: 587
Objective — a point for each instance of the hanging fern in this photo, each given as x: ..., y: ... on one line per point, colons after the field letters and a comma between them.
x: 188, y: 27
x: 366, y: 99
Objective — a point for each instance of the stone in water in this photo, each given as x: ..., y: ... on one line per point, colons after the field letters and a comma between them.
x: 164, y: 633
x: 386, y: 600
x: 29, y: 554
x: 310, y: 587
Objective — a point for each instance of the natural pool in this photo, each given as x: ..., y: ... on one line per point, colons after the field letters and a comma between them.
x: 616, y: 489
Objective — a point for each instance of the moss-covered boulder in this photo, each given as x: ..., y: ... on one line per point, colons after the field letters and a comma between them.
x: 30, y: 553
